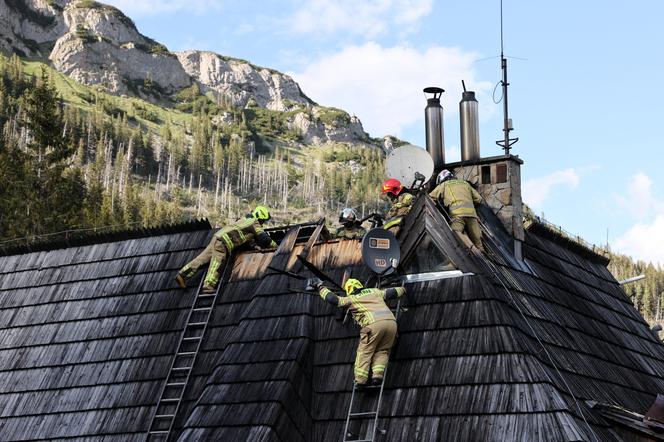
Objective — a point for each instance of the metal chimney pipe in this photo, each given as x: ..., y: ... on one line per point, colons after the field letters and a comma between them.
x: 470, y: 129
x: 433, y: 122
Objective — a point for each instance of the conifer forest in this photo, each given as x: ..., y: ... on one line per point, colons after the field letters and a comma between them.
x: 74, y: 158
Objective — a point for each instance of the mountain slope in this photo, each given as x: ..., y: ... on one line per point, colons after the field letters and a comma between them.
x: 97, y: 45
x: 187, y: 134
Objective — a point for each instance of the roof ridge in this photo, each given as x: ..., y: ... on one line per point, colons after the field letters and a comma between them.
x: 560, y: 237
x: 74, y: 238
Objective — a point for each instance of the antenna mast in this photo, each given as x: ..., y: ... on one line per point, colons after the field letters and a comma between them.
x: 507, y: 142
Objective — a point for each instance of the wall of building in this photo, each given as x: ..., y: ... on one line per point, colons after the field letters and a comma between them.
x: 498, y: 180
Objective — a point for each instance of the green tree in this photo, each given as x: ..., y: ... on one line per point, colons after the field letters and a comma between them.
x: 54, y: 194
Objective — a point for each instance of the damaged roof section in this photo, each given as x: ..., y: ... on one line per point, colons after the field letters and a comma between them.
x: 512, y: 352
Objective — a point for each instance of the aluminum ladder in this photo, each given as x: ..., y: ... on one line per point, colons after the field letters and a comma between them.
x: 369, y: 415
x: 182, y: 363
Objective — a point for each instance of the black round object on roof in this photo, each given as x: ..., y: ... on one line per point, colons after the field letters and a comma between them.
x: 380, y: 251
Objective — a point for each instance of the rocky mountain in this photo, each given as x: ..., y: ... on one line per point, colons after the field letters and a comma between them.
x: 96, y: 44
x: 30, y: 27
x: 241, y: 81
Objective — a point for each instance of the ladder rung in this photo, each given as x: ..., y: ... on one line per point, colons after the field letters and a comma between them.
x: 158, y: 432
x: 164, y: 416
x: 196, y: 324
x: 368, y: 387
x: 363, y: 414
x: 170, y: 399
x: 181, y: 368
x: 206, y: 295
x: 185, y: 353
x: 200, y: 309
x: 175, y: 384
x: 192, y: 338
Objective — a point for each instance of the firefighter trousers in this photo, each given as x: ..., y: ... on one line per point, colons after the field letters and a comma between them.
x: 215, y: 254
x: 373, y: 352
x: 471, y: 227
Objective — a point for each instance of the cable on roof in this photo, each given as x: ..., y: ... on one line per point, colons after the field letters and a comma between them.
x: 494, y: 270
x: 46, y: 235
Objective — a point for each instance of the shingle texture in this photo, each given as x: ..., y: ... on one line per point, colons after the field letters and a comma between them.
x: 87, y: 334
x: 511, y: 352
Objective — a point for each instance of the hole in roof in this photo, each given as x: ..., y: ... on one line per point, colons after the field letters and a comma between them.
x: 427, y: 257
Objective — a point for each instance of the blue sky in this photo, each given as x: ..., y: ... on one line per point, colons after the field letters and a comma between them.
x: 585, y: 91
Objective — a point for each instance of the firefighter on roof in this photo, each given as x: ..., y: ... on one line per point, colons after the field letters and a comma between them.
x: 246, y: 231
x: 379, y: 327
x: 351, y: 228
x: 401, y: 203
x: 459, y: 198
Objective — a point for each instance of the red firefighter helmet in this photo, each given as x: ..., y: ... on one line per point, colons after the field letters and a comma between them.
x: 392, y: 186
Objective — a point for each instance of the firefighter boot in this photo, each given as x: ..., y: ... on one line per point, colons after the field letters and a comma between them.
x: 181, y: 281
x: 208, y: 289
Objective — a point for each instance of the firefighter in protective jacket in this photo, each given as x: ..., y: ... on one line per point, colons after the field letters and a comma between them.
x: 379, y: 327
x: 247, y: 230
x: 401, y: 203
x: 459, y: 198
x: 351, y: 228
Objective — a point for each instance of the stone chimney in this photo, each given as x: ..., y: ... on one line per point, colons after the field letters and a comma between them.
x: 498, y: 180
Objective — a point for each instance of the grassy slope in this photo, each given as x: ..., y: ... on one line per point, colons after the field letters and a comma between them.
x: 75, y: 94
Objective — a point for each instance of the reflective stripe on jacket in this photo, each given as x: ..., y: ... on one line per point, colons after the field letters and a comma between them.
x: 244, y: 231
x: 368, y: 305
x: 458, y: 197
x: 398, y: 210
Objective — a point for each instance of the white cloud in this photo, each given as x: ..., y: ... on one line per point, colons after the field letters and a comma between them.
x: 536, y: 190
x: 368, y: 18
x: 640, y: 201
x: 409, y: 12
x: 154, y: 7
x: 644, y: 241
x: 383, y: 86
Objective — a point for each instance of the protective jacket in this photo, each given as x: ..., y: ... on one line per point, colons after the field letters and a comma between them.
x: 245, y: 231
x: 367, y: 305
x: 355, y: 231
x: 398, y: 210
x: 458, y: 197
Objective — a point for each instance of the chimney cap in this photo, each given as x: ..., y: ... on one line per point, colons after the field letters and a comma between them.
x: 433, y: 90
x: 468, y: 96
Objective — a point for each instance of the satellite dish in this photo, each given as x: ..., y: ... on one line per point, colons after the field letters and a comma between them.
x: 404, y: 162
x: 380, y: 251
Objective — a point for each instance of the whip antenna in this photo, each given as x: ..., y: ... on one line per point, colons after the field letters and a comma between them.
x: 507, y: 142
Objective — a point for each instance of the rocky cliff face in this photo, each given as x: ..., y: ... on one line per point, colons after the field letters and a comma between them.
x: 316, y: 127
x: 96, y: 44
x: 29, y: 27
x: 241, y: 81
x: 103, y: 47
x: 246, y: 84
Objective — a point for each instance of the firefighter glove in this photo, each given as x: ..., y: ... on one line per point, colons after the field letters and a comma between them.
x: 313, y: 284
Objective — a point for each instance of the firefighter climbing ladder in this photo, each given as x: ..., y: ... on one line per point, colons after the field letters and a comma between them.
x: 173, y: 390
x: 372, y: 414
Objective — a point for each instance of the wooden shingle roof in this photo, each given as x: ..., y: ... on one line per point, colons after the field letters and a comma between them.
x: 512, y: 352
x: 87, y: 334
